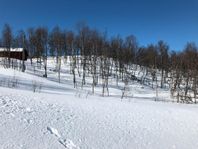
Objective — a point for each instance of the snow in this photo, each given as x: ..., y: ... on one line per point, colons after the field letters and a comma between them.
x: 12, y: 49
x: 58, y: 116
x: 53, y: 131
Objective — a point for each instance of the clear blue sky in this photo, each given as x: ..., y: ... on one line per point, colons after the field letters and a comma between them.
x: 174, y: 21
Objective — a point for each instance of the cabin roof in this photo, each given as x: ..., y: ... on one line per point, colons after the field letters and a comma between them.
x: 12, y: 49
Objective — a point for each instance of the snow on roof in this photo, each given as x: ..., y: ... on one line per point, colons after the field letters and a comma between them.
x: 12, y: 49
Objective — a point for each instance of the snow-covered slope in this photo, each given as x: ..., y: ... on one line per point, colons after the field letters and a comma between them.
x: 57, y: 117
x: 33, y: 120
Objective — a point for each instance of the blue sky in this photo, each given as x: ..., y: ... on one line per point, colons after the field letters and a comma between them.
x: 174, y: 21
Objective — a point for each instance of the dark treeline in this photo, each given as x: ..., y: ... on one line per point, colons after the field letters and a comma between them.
x: 91, y: 53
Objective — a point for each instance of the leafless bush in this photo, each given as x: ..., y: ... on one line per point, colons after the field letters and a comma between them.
x: 36, y: 86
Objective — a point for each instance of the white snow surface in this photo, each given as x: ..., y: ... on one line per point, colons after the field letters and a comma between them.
x: 59, y: 117
x: 12, y: 49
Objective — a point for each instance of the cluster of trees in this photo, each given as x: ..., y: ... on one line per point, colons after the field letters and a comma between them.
x: 93, y: 54
x: 184, y: 74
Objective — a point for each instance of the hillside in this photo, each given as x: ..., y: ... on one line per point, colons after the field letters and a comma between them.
x: 58, y: 116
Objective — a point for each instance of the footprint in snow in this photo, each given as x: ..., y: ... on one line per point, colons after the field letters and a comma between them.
x: 67, y: 143
x: 29, y: 121
x: 53, y: 131
x: 28, y: 110
x: 12, y: 114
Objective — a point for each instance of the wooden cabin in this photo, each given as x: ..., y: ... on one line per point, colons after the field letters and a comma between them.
x: 15, y: 53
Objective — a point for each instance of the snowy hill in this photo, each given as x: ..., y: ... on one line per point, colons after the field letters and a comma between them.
x: 40, y: 113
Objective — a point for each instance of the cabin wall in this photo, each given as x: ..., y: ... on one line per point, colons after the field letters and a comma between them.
x: 14, y: 55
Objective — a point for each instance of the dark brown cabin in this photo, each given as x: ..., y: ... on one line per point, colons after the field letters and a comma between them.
x: 15, y: 53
